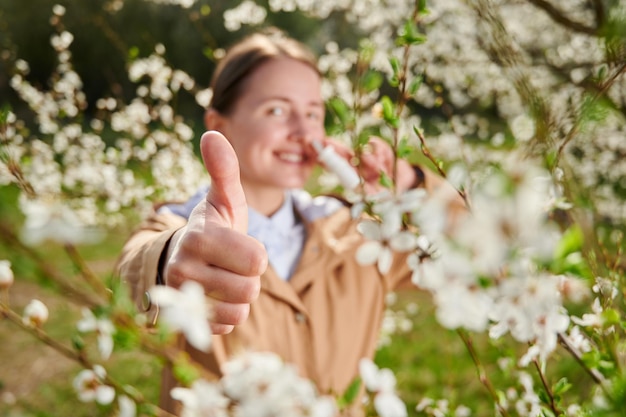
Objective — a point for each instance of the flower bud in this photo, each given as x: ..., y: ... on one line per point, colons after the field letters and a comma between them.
x: 6, y: 275
x: 35, y: 314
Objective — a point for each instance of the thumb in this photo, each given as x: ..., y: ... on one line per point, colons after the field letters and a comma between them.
x: 226, y: 195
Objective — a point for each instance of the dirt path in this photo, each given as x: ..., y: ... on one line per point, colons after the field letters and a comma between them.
x: 26, y: 363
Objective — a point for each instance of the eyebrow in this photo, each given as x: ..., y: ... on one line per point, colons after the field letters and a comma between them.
x: 287, y: 100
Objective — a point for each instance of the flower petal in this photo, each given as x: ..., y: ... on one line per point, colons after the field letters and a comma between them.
x: 385, y: 259
x: 368, y: 253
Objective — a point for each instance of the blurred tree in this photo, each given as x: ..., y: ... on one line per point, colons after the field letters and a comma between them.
x: 104, y: 40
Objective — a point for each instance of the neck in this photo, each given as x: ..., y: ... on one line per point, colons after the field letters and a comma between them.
x: 264, y: 201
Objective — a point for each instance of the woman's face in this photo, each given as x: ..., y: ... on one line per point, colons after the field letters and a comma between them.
x: 272, y: 124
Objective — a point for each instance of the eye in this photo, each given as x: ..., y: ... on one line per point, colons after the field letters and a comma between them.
x: 276, y: 111
x: 314, y: 115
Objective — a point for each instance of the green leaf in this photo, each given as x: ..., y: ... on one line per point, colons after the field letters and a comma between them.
x: 184, y: 371
x: 611, y: 317
x: 605, y: 365
x: 208, y: 52
x: 561, y: 387
x: 396, y: 67
x: 591, y: 359
x: 546, y: 412
x: 602, y: 73
x: 385, y: 180
x: 405, y: 149
x: 125, y: 339
x: 340, y: 109
x: 4, y: 114
x: 415, y: 85
x: 395, y: 64
x: 133, y: 53
x: 572, y: 241
x: 372, y: 80
x: 389, y: 111
x: 367, y: 50
x: 350, y: 394
x: 410, y: 35
x: 78, y: 342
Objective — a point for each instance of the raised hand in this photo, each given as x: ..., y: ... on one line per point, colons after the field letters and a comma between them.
x: 377, y: 158
x: 213, y: 248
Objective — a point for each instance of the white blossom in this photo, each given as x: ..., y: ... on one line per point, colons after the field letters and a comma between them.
x: 202, y: 399
x: 382, y: 383
x: 104, y: 329
x: 263, y: 385
x: 35, y: 313
x: 185, y: 310
x: 89, y: 385
x: 127, y: 406
x: 58, y: 10
x: 6, y: 274
x: 49, y: 220
x: 594, y: 319
x: 247, y: 12
x: 383, y: 238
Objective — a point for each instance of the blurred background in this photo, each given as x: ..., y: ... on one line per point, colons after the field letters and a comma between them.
x: 474, y: 92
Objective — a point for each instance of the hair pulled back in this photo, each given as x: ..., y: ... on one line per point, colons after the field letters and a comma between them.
x: 245, y: 56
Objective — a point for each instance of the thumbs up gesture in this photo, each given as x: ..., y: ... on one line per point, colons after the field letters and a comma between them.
x: 214, y: 248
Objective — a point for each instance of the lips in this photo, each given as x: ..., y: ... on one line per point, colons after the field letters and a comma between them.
x: 291, y: 157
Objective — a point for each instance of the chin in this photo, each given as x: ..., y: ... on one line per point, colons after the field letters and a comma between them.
x: 292, y: 183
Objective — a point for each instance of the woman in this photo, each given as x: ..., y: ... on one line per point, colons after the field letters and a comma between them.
x: 314, y: 304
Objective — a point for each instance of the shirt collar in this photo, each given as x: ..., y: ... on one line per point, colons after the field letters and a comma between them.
x: 281, y: 222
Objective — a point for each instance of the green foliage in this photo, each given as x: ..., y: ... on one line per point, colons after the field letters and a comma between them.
x: 410, y: 35
x: 184, y: 370
x: 371, y: 81
x: 389, y: 112
x: 340, y: 117
x: 350, y: 395
x: 567, y: 257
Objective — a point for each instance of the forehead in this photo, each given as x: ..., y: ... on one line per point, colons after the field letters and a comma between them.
x: 284, y: 77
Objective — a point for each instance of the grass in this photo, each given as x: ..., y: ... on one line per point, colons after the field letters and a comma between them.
x: 428, y: 361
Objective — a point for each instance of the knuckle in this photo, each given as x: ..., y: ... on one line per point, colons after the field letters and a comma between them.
x: 258, y: 260
x: 177, y: 273
x: 249, y: 290
x: 240, y: 314
x: 221, y: 329
x: 227, y: 314
x: 192, y: 240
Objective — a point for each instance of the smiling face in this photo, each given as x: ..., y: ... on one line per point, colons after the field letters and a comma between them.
x: 271, y: 126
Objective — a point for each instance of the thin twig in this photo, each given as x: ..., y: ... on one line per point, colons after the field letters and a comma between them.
x: 603, y: 89
x: 593, y: 373
x: 560, y: 18
x: 91, y: 278
x: 546, y: 387
x: 74, y: 355
x: 69, y: 289
x: 431, y: 158
x: 482, y: 374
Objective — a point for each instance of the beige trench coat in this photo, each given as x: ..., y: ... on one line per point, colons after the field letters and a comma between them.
x: 324, y: 320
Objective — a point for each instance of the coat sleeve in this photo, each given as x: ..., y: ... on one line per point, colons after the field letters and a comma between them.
x: 138, y: 263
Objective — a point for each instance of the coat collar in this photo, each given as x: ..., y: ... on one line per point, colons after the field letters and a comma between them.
x: 330, y: 241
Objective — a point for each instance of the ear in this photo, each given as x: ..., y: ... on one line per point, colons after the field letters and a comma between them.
x: 213, y: 120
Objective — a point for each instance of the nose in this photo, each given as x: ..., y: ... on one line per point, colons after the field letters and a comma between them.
x: 301, y: 129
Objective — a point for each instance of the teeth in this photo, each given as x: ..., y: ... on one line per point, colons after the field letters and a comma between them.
x: 290, y: 157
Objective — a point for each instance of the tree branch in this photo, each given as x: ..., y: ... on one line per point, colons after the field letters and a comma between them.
x: 560, y: 18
